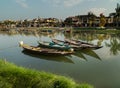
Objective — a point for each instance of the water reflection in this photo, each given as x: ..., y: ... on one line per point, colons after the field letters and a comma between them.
x: 51, y: 58
x: 91, y: 53
x: 82, y: 35
x: 114, y: 45
x: 99, y: 39
x: 80, y: 55
x: 36, y: 33
x: 87, y: 36
x: 88, y: 52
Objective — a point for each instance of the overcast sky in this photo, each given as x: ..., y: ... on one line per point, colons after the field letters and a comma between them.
x: 29, y: 9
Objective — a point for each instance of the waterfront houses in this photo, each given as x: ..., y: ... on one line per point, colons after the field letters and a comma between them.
x: 91, y: 20
x: 38, y: 22
x: 88, y: 20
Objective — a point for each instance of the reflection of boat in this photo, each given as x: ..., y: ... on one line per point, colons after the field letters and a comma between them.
x: 88, y: 52
x: 80, y: 55
x: 53, y: 45
x: 45, y: 51
x: 51, y: 58
x: 77, y: 44
x: 91, y: 53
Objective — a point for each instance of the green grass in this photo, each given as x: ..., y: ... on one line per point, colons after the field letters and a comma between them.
x: 12, y: 76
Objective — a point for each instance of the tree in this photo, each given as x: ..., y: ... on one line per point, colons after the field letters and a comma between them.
x: 102, y: 20
x: 92, y: 18
x: 117, y: 17
x: 68, y: 21
x: 8, y: 23
x: 25, y: 23
x: 118, y: 10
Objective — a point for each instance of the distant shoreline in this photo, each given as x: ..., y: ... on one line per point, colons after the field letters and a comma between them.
x: 52, y: 30
x: 34, y: 28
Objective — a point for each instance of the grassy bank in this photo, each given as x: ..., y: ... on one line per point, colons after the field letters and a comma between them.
x: 12, y: 76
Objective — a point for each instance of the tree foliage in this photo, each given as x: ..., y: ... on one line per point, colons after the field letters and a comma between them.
x: 102, y: 20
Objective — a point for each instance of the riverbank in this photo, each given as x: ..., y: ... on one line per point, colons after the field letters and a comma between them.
x: 57, y: 28
x: 12, y: 76
x: 53, y: 31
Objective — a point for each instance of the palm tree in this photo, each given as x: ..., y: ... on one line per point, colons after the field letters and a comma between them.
x: 102, y: 20
x: 117, y: 14
x: 92, y: 18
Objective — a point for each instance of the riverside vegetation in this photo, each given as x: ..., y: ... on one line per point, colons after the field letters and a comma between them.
x: 12, y: 76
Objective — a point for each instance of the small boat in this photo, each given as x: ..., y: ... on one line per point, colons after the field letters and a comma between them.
x: 44, y: 51
x: 59, y: 58
x: 76, y: 45
x: 53, y: 45
x: 76, y: 42
x: 60, y: 42
x: 82, y: 44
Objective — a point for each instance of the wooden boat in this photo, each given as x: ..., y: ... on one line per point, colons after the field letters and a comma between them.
x: 76, y: 45
x: 76, y: 42
x: 53, y: 45
x: 44, y: 51
x: 82, y: 44
x: 60, y: 58
x: 60, y: 42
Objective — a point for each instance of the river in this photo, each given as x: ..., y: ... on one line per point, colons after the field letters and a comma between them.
x: 100, y: 67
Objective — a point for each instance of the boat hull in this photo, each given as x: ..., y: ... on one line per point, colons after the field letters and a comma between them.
x: 77, y: 45
x: 53, y: 45
x: 44, y: 51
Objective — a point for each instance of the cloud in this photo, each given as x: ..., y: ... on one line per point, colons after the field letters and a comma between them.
x: 97, y: 11
x: 22, y: 3
x: 114, y: 0
x: 70, y: 3
x: 66, y: 3
x: 91, y: 0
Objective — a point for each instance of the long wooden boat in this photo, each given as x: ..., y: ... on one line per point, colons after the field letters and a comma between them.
x: 59, y: 58
x: 76, y: 45
x: 53, y: 45
x: 76, y: 42
x: 82, y: 44
x: 44, y: 51
x: 60, y: 42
